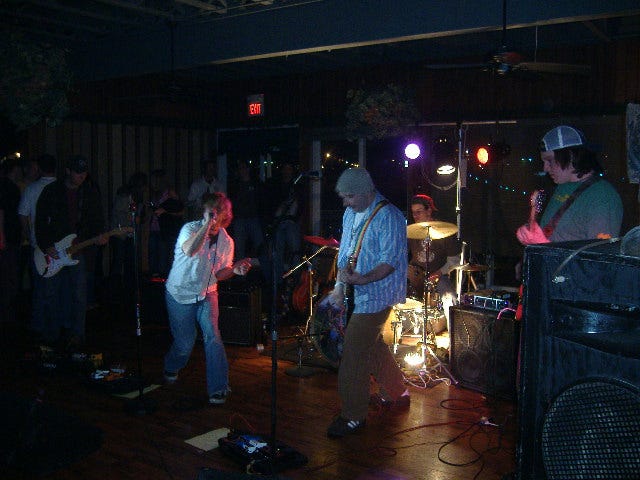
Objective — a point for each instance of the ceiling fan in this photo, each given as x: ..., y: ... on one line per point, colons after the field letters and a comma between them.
x: 505, y: 61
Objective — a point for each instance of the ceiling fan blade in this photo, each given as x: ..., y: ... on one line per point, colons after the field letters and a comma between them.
x: 549, y: 67
x: 453, y: 66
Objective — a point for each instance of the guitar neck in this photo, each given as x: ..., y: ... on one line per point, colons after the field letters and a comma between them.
x: 92, y: 241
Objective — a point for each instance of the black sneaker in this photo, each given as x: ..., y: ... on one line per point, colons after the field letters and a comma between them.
x: 341, y: 427
x: 170, y: 378
x: 219, y: 398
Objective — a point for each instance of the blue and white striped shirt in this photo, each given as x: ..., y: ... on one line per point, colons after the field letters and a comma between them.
x: 385, y: 241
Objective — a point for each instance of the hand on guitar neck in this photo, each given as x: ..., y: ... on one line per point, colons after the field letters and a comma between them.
x: 531, y: 232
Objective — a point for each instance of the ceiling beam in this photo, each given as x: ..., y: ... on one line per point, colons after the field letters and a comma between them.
x: 316, y: 26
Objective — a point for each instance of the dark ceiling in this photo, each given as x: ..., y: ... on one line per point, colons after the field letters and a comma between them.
x: 220, y: 40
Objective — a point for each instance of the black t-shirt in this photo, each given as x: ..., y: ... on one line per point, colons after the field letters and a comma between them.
x: 9, y: 200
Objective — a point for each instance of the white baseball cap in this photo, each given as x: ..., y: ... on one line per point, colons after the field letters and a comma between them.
x: 562, y: 137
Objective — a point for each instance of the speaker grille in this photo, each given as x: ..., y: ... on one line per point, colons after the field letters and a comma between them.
x: 483, y: 350
x: 592, y: 431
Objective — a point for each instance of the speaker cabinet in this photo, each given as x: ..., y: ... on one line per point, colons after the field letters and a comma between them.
x: 579, y: 405
x: 240, y: 314
x: 484, y: 350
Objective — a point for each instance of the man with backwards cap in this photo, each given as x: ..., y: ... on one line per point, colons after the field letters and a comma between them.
x: 584, y: 205
x: 373, y: 260
x: 69, y: 205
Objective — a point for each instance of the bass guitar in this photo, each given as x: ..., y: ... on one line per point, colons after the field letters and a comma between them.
x: 47, y: 266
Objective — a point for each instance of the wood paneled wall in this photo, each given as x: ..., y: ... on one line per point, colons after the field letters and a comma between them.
x: 128, y: 125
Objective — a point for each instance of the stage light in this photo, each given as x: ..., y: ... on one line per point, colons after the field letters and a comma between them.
x: 412, y: 151
x: 444, y: 154
x: 482, y: 155
x: 492, y: 153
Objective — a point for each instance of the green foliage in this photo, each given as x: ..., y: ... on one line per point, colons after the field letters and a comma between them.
x: 380, y: 114
x: 34, y: 81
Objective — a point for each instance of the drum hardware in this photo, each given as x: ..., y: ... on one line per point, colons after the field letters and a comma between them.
x: 427, y: 231
x: 470, y: 268
x: 300, y: 370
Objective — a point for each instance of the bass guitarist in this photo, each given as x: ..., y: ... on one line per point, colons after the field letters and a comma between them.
x: 373, y: 259
x: 71, y: 205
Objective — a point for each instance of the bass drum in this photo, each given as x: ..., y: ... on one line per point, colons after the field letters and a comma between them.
x: 327, y: 330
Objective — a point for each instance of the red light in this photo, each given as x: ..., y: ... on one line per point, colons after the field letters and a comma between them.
x: 482, y: 155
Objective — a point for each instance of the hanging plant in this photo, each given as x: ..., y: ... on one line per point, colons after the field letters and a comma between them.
x: 380, y: 114
x: 34, y: 83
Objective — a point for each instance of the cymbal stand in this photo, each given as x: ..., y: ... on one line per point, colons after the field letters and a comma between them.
x: 300, y: 370
x: 429, y: 338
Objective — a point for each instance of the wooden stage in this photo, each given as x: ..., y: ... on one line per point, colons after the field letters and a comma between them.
x: 441, y: 436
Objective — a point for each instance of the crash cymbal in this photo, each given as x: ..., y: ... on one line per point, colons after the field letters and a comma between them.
x: 435, y: 229
x: 321, y: 242
x: 471, y: 267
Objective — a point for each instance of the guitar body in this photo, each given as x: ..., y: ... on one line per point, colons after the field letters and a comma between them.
x: 48, y: 266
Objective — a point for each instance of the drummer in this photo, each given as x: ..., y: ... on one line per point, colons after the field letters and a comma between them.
x: 444, y: 253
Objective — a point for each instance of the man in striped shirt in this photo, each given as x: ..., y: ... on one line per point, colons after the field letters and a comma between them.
x: 373, y: 261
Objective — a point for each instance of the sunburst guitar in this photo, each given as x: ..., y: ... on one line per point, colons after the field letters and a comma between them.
x: 47, y: 266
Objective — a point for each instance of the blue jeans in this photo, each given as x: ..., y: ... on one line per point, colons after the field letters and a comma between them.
x: 182, y: 321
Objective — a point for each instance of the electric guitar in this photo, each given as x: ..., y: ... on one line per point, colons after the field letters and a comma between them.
x: 535, y: 207
x: 348, y: 291
x: 47, y: 266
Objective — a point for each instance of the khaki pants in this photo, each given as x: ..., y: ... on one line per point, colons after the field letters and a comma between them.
x: 365, y: 353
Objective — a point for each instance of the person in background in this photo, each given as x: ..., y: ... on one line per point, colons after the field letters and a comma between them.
x: 203, y: 257
x: 583, y: 205
x: 70, y: 205
x: 207, y: 183
x: 42, y: 303
x: 128, y: 205
x: 285, y: 221
x: 247, y: 195
x: 373, y: 260
x: 10, y: 175
x: 166, y: 220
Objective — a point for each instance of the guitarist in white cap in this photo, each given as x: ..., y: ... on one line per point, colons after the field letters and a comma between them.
x: 583, y: 205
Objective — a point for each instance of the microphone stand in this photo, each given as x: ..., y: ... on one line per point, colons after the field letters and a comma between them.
x: 426, y: 307
x: 140, y: 405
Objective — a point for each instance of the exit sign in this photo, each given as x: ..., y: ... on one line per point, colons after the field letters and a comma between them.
x: 255, y: 105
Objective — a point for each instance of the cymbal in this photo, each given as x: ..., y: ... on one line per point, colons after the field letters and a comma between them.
x: 471, y: 267
x: 435, y: 229
x: 321, y: 242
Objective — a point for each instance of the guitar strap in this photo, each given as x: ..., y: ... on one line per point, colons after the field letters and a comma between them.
x: 551, y: 226
x: 353, y: 258
x: 363, y: 229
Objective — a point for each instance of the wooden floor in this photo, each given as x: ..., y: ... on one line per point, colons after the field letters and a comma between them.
x: 440, y: 437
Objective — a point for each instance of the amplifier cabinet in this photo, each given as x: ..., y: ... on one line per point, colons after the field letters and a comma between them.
x: 240, y: 315
x: 484, y: 350
x: 579, y: 397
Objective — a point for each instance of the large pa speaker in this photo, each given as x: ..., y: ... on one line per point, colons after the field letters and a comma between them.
x: 240, y: 313
x: 484, y: 350
x: 579, y: 405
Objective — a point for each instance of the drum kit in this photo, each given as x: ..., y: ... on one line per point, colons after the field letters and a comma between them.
x: 419, y: 318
